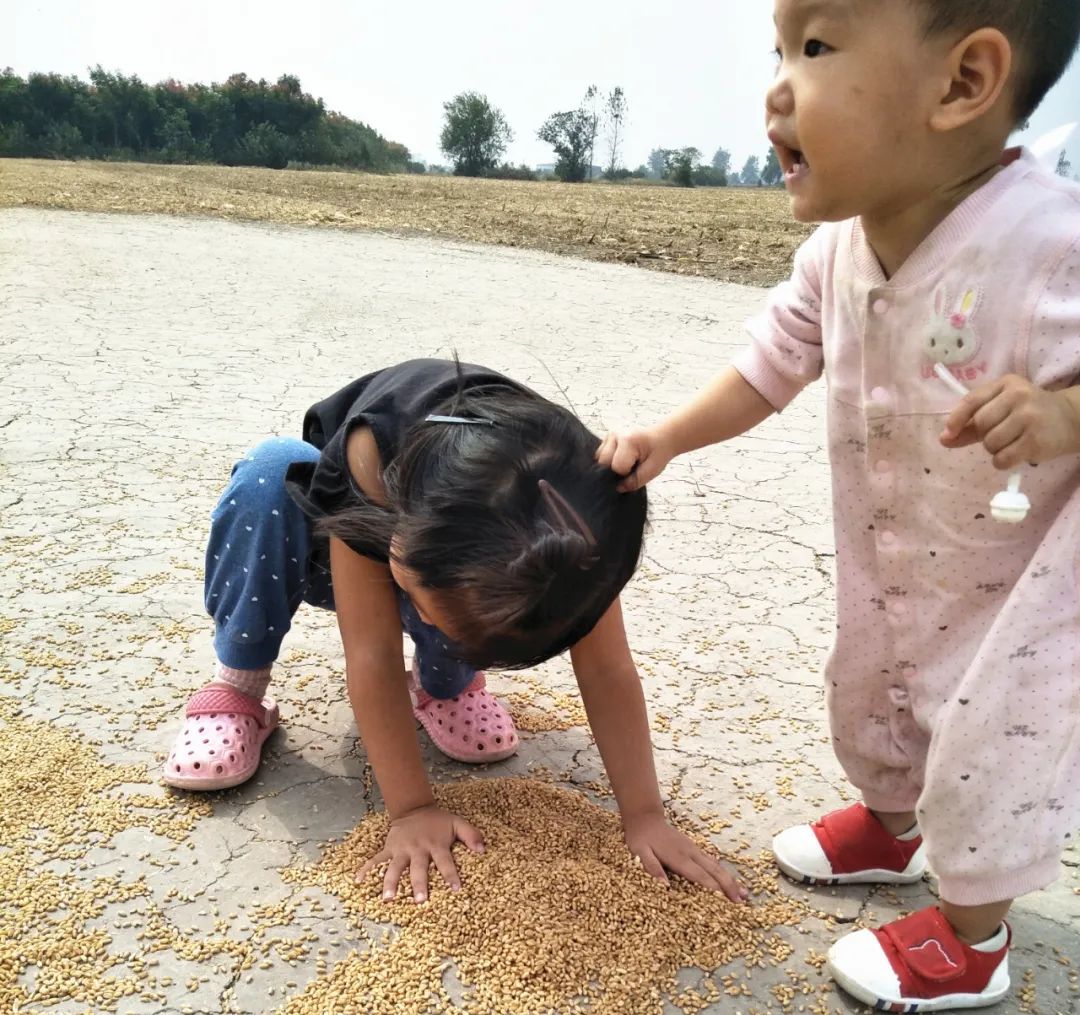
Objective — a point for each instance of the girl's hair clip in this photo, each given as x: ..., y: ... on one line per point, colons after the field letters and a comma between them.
x: 458, y: 419
x: 565, y: 514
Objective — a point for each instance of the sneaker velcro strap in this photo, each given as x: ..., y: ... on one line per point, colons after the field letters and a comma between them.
x: 927, y: 945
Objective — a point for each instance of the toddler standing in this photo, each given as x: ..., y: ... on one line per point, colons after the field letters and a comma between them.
x: 953, y: 688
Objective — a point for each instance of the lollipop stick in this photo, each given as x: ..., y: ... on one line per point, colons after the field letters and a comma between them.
x: 946, y: 375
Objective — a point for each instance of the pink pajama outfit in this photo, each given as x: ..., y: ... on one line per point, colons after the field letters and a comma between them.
x: 953, y: 687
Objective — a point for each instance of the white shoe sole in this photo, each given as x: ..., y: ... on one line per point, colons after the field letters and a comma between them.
x: 800, y: 856
x: 995, y: 992
x: 912, y: 874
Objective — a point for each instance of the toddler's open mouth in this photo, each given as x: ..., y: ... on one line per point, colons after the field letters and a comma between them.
x: 792, y: 160
x: 794, y: 164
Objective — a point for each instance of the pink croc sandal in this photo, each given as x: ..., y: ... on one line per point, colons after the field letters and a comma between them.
x: 473, y: 727
x: 221, y: 742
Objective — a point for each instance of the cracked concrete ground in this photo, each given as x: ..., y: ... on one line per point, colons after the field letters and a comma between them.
x: 141, y: 355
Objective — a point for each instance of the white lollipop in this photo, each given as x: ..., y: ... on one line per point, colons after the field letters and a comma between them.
x: 1010, y: 506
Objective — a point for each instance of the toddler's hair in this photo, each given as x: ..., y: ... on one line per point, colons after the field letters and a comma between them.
x: 527, y: 536
x: 1044, y: 36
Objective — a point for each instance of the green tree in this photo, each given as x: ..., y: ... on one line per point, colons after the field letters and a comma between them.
x: 721, y: 161
x: 177, y: 141
x: 707, y: 176
x: 660, y: 160
x: 772, y: 174
x: 572, y: 134
x: 588, y: 105
x: 264, y: 145
x: 242, y: 121
x: 751, y: 172
x: 475, y: 134
x: 683, y: 164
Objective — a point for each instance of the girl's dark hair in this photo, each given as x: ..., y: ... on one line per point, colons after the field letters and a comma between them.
x: 1044, y: 35
x: 513, y: 519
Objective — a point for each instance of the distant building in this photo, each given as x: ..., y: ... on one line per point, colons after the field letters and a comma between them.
x: 548, y: 168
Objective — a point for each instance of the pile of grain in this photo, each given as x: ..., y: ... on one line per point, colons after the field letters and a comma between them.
x: 554, y: 916
x: 57, y: 801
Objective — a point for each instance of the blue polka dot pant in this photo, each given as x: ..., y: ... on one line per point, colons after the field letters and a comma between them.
x: 259, y: 570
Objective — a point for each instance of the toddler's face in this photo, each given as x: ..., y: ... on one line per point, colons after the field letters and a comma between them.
x: 848, y: 110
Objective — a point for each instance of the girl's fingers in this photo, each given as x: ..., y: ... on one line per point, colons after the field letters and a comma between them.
x: 689, y: 868
x: 418, y: 875
x: 381, y: 857
x: 470, y: 835
x: 732, y: 887
x: 393, y: 876
x: 444, y: 863
x: 704, y: 871
x: 653, y: 866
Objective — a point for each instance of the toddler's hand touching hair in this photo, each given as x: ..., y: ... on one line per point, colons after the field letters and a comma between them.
x: 640, y: 455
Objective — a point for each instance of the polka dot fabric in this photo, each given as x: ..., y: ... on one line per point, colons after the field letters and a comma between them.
x: 954, y: 686
x: 260, y: 565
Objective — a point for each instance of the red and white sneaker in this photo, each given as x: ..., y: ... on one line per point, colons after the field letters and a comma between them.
x: 848, y: 847
x: 918, y: 964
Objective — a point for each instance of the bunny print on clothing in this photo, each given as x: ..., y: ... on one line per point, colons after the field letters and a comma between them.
x: 950, y: 338
x: 955, y: 666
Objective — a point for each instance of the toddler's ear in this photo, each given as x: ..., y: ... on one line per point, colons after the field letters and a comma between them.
x: 979, y: 68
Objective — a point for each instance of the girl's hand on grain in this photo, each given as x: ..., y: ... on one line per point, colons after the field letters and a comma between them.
x: 417, y: 840
x: 662, y: 848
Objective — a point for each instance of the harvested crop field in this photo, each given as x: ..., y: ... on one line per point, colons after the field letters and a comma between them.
x: 735, y: 235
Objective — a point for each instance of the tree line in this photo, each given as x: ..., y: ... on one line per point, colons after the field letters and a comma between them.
x: 257, y: 123
x: 241, y: 122
x: 476, y: 134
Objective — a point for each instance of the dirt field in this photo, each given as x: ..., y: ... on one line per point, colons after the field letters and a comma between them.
x: 733, y: 235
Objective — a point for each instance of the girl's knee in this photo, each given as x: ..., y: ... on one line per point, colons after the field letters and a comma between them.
x: 273, y: 456
x: 258, y: 479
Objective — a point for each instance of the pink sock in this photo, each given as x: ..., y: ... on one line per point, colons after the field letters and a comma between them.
x: 253, y: 683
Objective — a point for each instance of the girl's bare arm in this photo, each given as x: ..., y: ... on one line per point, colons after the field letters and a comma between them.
x: 615, y: 703
x: 370, y: 625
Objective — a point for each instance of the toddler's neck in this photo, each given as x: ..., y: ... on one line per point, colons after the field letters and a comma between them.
x: 896, y: 235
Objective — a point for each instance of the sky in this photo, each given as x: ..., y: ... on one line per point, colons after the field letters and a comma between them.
x: 694, y: 74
